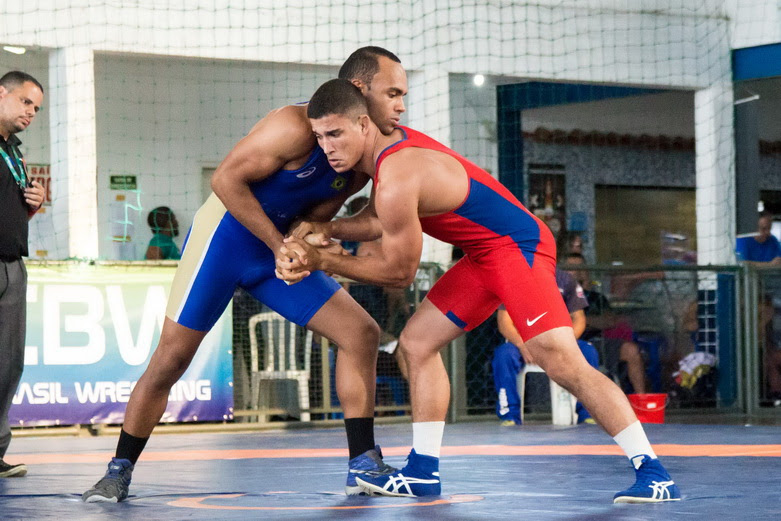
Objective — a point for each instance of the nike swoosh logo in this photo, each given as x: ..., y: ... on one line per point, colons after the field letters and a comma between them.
x: 530, y: 323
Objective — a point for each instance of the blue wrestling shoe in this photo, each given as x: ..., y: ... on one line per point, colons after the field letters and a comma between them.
x: 114, y: 486
x: 653, y: 484
x: 420, y: 477
x: 367, y: 464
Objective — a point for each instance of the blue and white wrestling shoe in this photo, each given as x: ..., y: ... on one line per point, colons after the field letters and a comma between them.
x: 653, y: 484
x: 420, y: 477
x: 367, y: 464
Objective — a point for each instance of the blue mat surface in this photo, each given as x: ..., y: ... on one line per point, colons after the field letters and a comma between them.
x: 239, y: 476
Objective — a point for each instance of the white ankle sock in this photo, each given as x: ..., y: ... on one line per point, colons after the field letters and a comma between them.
x: 427, y: 437
x: 634, y: 442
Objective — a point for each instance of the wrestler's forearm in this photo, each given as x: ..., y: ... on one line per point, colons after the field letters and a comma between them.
x: 362, y: 228
x: 369, y: 270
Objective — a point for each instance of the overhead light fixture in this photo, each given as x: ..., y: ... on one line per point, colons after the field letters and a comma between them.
x: 478, y: 80
x: 14, y: 50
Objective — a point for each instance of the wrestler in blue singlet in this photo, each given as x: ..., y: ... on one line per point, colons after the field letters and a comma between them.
x: 220, y: 253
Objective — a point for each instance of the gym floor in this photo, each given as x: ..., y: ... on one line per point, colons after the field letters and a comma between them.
x: 536, y: 472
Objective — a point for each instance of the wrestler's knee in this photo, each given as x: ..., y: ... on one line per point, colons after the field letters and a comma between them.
x: 412, y: 347
x: 361, y: 335
x: 168, y: 364
x: 561, y: 361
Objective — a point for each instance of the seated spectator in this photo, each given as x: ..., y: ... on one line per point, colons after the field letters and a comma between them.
x: 761, y: 248
x: 570, y: 242
x: 614, y: 330
x: 164, y: 227
x: 772, y: 349
x: 691, y: 325
x: 510, y: 357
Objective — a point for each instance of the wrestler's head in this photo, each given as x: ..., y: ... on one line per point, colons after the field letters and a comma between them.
x: 340, y: 121
x: 382, y: 80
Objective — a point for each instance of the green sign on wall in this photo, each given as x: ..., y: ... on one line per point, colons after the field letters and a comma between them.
x: 123, y: 182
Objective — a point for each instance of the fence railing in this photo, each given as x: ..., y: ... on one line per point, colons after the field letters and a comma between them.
x: 709, y: 337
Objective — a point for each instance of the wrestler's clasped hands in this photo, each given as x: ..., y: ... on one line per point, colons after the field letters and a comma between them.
x: 300, y: 254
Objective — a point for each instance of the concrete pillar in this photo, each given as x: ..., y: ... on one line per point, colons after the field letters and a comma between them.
x: 715, y: 146
x: 71, y: 107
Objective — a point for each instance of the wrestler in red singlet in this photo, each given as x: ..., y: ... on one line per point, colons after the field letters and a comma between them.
x: 510, y: 255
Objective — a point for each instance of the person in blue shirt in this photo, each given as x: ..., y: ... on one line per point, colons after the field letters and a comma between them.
x: 761, y: 248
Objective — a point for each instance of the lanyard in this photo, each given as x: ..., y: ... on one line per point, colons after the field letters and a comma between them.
x: 21, y: 177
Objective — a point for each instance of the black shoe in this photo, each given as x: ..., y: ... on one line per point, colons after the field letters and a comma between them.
x: 12, y: 471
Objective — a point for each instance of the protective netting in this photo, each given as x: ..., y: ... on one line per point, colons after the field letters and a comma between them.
x: 144, y: 100
x: 611, y: 120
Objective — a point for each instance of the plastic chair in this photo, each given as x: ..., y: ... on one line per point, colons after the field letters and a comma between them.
x: 562, y: 401
x: 280, y: 360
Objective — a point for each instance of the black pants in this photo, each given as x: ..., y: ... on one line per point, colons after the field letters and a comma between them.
x: 13, y: 315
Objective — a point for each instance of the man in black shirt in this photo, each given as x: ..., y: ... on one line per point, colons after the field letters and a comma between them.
x: 21, y: 96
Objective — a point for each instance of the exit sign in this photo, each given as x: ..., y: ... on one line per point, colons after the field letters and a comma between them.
x: 123, y: 182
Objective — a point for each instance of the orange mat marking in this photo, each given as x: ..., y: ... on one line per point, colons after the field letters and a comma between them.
x: 197, y: 502
x: 773, y: 451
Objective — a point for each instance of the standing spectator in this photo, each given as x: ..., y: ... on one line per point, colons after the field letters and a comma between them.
x: 21, y: 96
x: 762, y: 248
x: 164, y: 227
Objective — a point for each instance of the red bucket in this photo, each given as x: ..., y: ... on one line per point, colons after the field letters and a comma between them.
x: 649, y: 408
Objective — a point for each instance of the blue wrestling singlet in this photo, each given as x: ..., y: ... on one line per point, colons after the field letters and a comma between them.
x: 221, y: 254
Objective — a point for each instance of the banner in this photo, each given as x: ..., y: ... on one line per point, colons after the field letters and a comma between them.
x: 91, y: 331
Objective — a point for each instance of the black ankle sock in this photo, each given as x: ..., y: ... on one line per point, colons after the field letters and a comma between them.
x: 360, y: 435
x: 130, y: 447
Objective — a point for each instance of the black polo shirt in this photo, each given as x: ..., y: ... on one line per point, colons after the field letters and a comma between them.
x: 13, y: 208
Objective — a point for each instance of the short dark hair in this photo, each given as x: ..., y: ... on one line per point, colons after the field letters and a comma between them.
x: 159, y: 217
x: 764, y: 214
x: 13, y: 79
x: 336, y: 97
x: 363, y: 64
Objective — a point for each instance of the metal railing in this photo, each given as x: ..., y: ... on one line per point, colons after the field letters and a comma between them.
x: 673, y: 312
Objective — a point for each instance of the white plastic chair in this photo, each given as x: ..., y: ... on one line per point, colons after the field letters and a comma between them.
x: 562, y: 401
x: 280, y: 360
